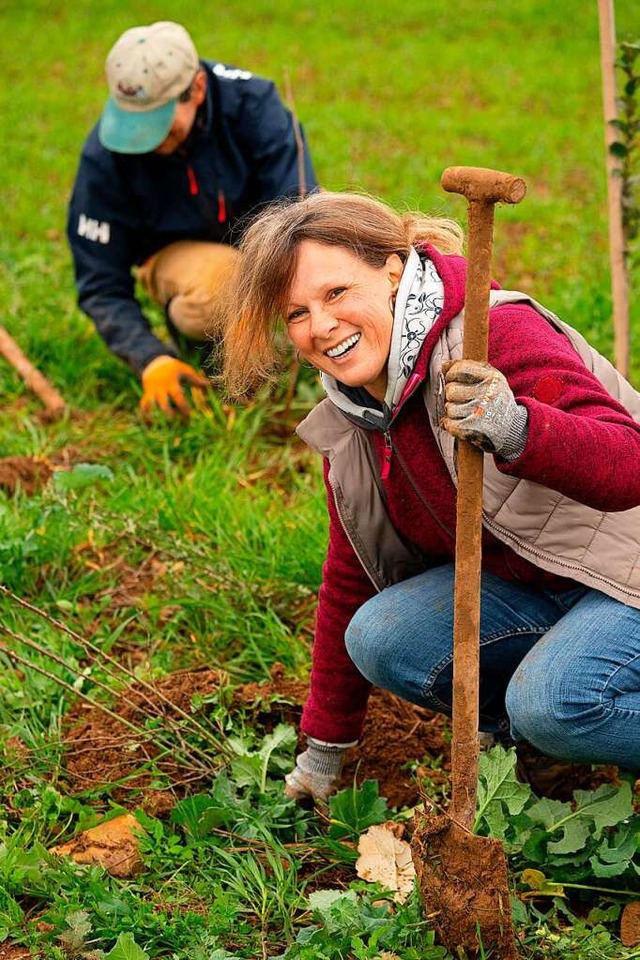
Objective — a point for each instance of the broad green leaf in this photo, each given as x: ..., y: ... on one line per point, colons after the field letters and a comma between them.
x: 352, y: 811
x: 575, y: 834
x: 339, y: 909
x: 604, y: 807
x: 594, y: 810
x: 283, y: 738
x: 252, y: 766
x: 80, y: 476
x: 614, y: 855
x: 535, y: 846
x: 622, y: 846
x: 604, y: 914
x: 607, y: 869
x: 126, y: 949
x: 548, y: 812
x: 500, y: 794
x: 239, y: 746
x: 200, y: 814
x: 321, y: 901
x: 247, y: 770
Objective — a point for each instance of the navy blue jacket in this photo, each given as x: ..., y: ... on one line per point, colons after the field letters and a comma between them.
x: 241, y: 154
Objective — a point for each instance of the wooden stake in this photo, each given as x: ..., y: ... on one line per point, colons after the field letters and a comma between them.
x: 35, y: 381
x: 619, y: 283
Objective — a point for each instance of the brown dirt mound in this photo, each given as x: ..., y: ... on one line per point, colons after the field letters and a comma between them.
x: 102, y: 750
x: 31, y: 474
x: 7, y: 952
x: 23, y: 473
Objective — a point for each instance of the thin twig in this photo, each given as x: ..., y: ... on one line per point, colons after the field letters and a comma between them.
x: 43, y: 651
x: 139, y: 731
x: 97, y: 653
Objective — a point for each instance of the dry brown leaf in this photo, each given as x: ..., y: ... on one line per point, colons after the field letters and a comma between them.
x: 630, y: 924
x: 114, y: 844
x: 386, y: 859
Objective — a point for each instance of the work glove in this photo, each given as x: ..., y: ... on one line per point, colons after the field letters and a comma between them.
x: 162, y: 386
x: 317, y: 770
x: 481, y: 408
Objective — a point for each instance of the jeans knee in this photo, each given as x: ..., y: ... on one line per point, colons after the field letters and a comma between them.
x: 366, y: 644
x: 550, y: 717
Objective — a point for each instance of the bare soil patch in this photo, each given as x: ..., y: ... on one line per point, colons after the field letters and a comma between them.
x: 31, y: 474
x: 23, y: 473
x: 103, y: 751
x: 7, y: 952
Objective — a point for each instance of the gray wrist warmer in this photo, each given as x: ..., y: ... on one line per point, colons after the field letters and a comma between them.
x: 516, y: 438
x: 322, y: 759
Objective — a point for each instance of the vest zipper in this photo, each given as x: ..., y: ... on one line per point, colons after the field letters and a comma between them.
x: 193, y: 183
x: 386, y: 457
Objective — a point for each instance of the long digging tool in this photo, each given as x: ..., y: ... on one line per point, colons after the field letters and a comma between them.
x: 462, y: 877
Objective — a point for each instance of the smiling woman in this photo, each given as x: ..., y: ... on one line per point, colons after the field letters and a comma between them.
x: 340, y: 314
x: 375, y: 301
x: 342, y: 233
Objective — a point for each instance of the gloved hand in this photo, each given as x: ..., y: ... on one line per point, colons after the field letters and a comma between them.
x: 480, y: 407
x: 162, y: 382
x: 317, y: 770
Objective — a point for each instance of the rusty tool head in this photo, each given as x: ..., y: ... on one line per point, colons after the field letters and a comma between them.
x: 483, y: 185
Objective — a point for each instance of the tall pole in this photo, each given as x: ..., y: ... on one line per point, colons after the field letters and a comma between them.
x: 619, y: 284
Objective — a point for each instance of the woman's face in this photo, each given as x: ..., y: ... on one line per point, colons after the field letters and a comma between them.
x: 339, y: 316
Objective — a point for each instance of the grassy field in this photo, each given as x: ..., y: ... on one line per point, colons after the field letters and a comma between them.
x: 200, y: 547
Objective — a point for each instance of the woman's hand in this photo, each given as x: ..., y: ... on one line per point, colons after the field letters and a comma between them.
x: 317, y: 770
x: 480, y: 407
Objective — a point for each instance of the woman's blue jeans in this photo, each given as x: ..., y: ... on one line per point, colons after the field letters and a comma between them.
x: 561, y: 670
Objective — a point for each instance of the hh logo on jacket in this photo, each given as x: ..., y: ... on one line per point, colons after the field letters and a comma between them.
x: 97, y: 230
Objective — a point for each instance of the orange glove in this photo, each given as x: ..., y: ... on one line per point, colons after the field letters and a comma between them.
x: 162, y: 382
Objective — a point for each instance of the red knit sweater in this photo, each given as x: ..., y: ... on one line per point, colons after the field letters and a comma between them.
x: 581, y: 442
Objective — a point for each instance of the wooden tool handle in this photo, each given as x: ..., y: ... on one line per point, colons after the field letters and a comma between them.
x: 483, y: 188
x: 484, y: 185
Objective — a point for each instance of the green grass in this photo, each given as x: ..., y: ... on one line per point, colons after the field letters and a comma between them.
x: 228, y: 512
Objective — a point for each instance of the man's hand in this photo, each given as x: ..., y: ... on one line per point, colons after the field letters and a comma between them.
x: 481, y: 408
x: 317, y: 770
x: 162, y: 383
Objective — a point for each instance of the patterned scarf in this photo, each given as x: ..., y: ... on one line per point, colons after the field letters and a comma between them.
x: 418, y: 305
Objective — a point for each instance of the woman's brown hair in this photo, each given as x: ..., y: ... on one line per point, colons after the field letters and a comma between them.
x: 257, y: 293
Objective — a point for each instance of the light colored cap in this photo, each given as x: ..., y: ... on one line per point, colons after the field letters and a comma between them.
x: 147, y: 70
